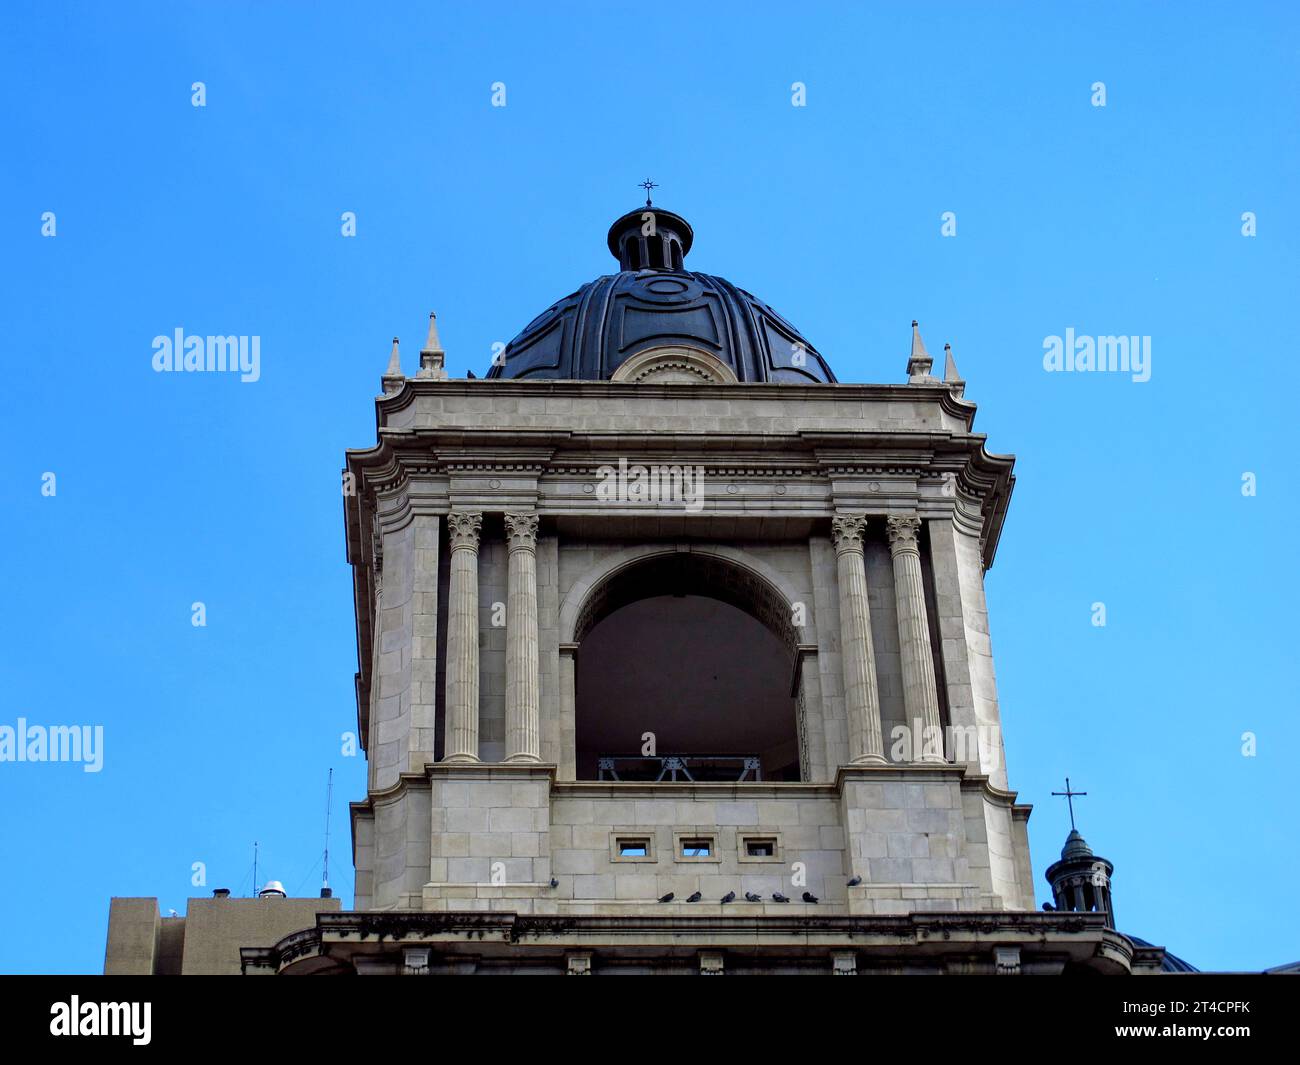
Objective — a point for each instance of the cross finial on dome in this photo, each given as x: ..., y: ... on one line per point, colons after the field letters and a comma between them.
x: 1069, y: 797
x: 647, y: 184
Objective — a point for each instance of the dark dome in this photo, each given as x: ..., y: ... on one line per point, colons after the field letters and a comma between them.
x: 1075, y: 846
x: 653, y: 302
x: 1172, y: 962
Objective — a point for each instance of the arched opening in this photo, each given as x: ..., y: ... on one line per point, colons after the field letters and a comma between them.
x: 677, y: 255
x: 697, y: 652
x: 632, y: 253
x: 655, y: 251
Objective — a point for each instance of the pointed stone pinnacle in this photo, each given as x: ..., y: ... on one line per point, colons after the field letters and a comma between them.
x: 394, y: 363
x: 432, y: 343
x: 919, y: 362
x: 950, y: 375
x: 918, y: 345
x: 432, y: 358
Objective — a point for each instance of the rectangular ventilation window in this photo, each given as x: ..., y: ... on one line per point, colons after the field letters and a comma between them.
x: 697, y: 848
x: 626, y: 847
x: 764, y: 847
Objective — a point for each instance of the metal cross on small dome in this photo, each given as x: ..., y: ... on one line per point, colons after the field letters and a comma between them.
x: 1069, y: 797
x: 647, y: 184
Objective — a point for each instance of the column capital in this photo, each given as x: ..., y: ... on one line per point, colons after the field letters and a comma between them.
x: 904, y: 531
x: 848, y: 532
x: 521, y: 531
x: 464, y: 527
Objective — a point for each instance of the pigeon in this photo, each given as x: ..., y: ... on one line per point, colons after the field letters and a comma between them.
x: 695, y: 897
x: 470, y: 374
x: 751, y: 897
x: 667, y: 898
x: 730, y: 896
x: 554, y: 883
x: 808, y: 896
x: 778, y: 897
x: 855, y: 881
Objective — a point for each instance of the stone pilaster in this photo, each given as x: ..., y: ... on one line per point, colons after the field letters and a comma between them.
x: 920, y: 694
x: 463, y: 528
x: 424, y: 643
x: 568, y: 712
x: 861, y: 697
x: 523, y: 693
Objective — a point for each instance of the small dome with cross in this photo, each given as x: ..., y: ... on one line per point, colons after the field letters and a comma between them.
x: 657, y: 322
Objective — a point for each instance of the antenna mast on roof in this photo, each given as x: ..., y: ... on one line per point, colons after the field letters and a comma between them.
x: 325, y: 891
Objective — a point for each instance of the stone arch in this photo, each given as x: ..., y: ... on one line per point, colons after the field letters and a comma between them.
x: 634, y: 578
x: 753, y: 585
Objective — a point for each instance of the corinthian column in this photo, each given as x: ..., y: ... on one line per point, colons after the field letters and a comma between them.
x: 463, y: 528
x: 920, y: 696
x: 861, y: 697
x: 523, y: 732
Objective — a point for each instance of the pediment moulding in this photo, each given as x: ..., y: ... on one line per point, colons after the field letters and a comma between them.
x: 674, y: 365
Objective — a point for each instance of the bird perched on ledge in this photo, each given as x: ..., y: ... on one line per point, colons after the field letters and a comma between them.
x: 667, y: 898
x: 778, y: 897
x: 730, y: 896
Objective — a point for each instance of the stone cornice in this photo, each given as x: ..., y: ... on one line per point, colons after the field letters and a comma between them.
x: 939, y: 393
x: 708, y: 791
x: 337, y: 935
x: 983, y: 481
x: 910, y: 772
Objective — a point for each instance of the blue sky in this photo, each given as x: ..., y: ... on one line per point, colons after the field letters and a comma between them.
x: 172, y: 489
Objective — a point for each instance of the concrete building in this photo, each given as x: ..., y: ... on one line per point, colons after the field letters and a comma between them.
x: 673, y: 657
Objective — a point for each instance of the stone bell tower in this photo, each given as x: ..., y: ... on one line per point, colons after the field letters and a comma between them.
x: 674, y: 656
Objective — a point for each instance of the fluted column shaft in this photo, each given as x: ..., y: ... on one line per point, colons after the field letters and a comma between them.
x: 464, y: 528
x: 920, y: 694
x: 861, y: 696
x: 523, y: 714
